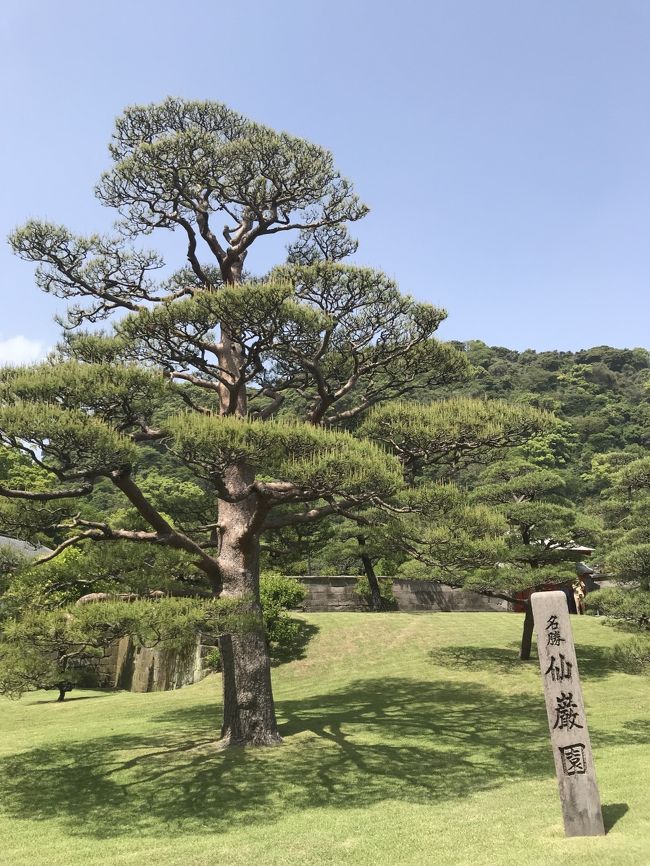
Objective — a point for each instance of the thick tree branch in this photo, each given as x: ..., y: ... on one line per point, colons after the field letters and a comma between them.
x: 314, y: 514
x: 46, y: 495
x: 208, y: 235
x: 166, y: 533
x: 191, y: 250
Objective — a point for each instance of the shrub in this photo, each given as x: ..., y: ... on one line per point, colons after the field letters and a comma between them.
x: 212, y: 661
x: 414, y: 570
x: 627, y: 608
x: 633, y: 656
x: 287, y: 636
x: 280, y: 592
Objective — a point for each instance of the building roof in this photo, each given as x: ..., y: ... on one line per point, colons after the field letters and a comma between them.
x: 26, y: 548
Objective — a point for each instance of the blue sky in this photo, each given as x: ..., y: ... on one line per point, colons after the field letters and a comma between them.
x: 502, y: 145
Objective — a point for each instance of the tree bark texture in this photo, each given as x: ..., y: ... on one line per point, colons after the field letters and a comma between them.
x: 248, y: 708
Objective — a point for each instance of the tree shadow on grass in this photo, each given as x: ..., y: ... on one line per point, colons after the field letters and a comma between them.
x: 419, y: 742
x: 69, y: 700
x: 593, y: 661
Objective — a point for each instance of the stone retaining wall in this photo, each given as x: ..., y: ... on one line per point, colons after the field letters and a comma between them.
x: 337, y: 593
x: 151, y: 669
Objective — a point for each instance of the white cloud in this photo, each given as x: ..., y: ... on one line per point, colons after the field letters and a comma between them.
x: 20, y: 350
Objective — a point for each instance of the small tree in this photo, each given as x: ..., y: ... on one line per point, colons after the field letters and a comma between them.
x: 432, y: 526
x: 626, y: 505
x: 544, y: 527
x: 460, y: 538
x: 62, y: 648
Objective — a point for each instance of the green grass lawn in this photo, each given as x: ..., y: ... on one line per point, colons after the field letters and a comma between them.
x: 409, y: 739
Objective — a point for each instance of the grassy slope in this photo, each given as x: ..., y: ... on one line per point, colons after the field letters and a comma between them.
x: 410, y: 739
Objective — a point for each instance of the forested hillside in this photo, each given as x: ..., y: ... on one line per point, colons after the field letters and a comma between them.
x: 602, y: 393
x: 567, y: 485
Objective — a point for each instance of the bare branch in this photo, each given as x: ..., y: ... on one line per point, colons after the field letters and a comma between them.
x: 208, y: 235
x: 69, y: 542
x: 148, y: 434
x: 191, y: 250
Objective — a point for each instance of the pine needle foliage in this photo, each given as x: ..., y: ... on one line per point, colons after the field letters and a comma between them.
x: 315, y: 458
x: 70, y: 441
x: 452, y: 427
x: 448, y: 534
x: 125, y: 396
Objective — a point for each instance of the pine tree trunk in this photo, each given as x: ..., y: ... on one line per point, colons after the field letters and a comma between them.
x: 376, y: 602
x: 248, y: 708
x: 527, y: 633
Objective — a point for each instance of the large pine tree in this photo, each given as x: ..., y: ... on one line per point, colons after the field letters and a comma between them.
x: 254, y: 384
